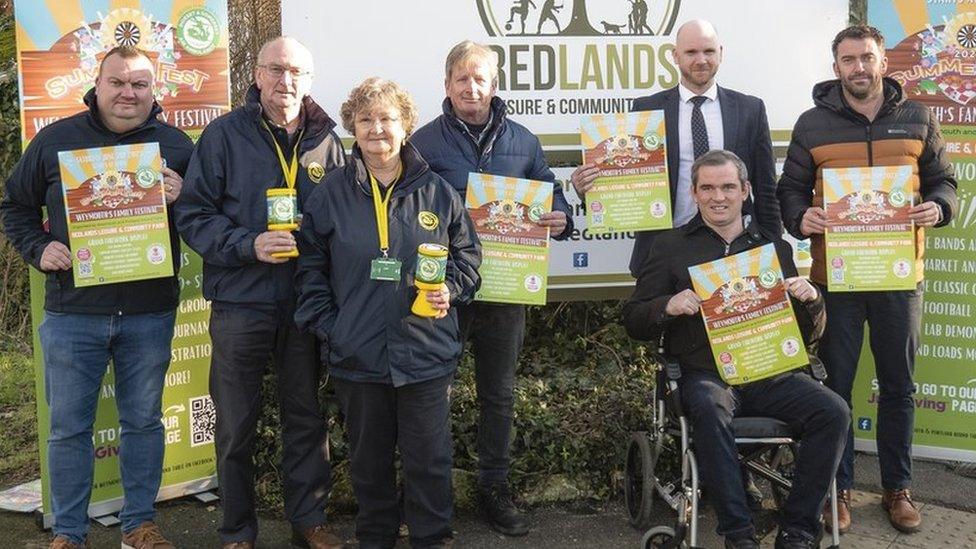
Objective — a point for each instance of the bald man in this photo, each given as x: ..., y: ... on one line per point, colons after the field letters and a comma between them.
x: 701, y: 116
x: 279, y: 139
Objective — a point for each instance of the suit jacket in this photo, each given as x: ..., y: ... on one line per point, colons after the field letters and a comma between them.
x: 745, y: 132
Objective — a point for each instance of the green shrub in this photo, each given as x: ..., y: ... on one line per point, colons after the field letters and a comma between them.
x: 18, y: 445
x: 14, y: 293
x: 582, y: 386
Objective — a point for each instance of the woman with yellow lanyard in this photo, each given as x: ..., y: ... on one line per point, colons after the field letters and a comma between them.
x: 392, y: 369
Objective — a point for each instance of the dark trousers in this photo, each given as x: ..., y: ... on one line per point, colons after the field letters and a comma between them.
x: 415, y: 418
x: 245, y: 340
x: 895, y: 322
x: 819, y: 416
x: 495, y: 333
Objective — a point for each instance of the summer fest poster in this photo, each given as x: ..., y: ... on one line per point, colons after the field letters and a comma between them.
x: 116, y: 214
x: 61, y: 44
x: 870, y: 238
x: 931, y: 49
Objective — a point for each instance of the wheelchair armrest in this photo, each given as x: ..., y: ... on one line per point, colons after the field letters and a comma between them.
x: 672, y: 395
x: 817, y: 368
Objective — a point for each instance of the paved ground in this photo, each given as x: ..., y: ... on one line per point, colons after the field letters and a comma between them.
x: 947, y: 501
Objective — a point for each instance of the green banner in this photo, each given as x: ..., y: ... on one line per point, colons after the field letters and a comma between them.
x: 189, y: 464
x: 930, y: 55
x: 59, y: 48
x: 870, y: 239
x: 945, y: 366
x: 748, y: 316
x: 632, y: 192
x: 514, y: 249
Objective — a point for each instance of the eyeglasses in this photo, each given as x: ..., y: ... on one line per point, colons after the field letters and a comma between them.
x: 278, y: 71
x: 369, y: 120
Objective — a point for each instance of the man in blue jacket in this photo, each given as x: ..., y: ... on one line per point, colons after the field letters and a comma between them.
x: 280, y: 138
x: 130, y: 323
x: 474, y: 135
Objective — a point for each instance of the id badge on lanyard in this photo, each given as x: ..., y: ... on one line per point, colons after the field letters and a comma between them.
x: 384, y: 268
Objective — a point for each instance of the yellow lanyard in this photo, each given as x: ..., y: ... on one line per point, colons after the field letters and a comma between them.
x: 290, y: 171
x: 380, y: 207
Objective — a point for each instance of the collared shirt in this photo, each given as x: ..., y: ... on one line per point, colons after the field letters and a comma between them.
x: 684, y: 206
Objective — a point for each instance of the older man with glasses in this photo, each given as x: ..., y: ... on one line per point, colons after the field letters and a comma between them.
x: 279, y: 141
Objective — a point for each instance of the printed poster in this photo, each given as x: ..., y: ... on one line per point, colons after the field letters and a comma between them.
x: 61, y: 44
x: 932, y: 54
x: 115, y: 207
x: 870, y: 239
x: 632, y: 191
x: 748, y: 316
x: 514, y: 250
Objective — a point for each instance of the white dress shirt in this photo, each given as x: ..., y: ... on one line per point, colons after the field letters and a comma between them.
x: 684, y: 206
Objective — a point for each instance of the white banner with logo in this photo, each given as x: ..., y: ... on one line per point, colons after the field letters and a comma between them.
x: 560, y: 60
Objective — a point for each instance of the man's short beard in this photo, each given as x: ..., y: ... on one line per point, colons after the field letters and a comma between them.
x: 861, y: 95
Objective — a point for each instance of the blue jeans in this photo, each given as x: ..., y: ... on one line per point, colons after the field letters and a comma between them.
x: 895, y: 322
x: 77, y: 349
x: 819, y: 417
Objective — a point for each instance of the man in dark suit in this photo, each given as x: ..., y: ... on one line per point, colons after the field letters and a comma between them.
x: 701, y: 116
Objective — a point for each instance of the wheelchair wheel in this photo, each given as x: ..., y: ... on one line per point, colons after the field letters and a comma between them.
x: 783, y: 461
x: 658, y: 537
x: 639, y: 480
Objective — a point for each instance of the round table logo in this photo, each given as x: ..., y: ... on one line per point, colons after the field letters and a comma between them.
x: 428, y: 220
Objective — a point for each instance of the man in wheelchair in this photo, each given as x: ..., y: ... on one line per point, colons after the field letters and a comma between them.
x: 664, y: 302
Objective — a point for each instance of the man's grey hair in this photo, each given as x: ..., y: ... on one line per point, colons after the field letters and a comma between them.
x: 718, y: 157
x: 295, y: 41
x: 465, y: 51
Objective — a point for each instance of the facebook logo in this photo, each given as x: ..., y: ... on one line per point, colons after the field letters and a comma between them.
x: 581, y: 259
x: 864, y: 423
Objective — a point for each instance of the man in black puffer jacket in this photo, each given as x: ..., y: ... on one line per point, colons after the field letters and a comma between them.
x: 862, y: 119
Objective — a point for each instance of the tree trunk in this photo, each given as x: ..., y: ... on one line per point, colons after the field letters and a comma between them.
x: 579, y: 25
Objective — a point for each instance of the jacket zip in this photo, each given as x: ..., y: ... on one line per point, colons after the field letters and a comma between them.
x: 867, y: 129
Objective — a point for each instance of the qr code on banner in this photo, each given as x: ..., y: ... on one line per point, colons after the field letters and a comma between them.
x: 203, y: 419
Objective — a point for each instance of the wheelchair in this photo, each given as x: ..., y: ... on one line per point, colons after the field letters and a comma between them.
x: 661, y: 462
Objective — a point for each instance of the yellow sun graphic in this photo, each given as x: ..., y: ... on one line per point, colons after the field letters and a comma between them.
x: 126, y: 27
x: 962, y: 30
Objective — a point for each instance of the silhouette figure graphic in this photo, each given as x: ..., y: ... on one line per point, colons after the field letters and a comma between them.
x: 520, y: 8
x: 637, y: 20
x: 548, y: 13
